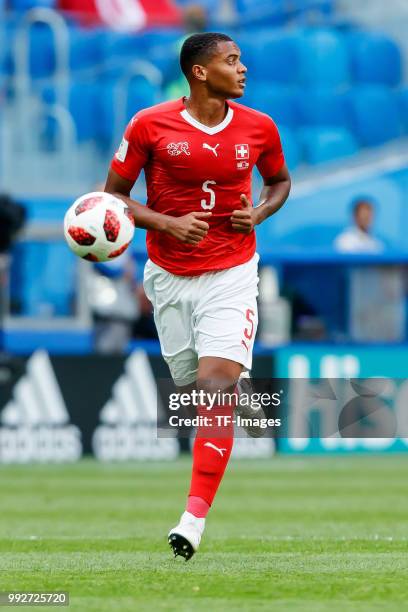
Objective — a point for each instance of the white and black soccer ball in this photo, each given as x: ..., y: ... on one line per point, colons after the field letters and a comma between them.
x: 98, y: 226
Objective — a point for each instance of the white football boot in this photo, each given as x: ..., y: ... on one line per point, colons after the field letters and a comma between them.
x: 246, y: 411
x: 185, y: 538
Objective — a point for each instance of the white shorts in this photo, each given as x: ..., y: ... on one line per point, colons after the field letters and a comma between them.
x: 212, y: 315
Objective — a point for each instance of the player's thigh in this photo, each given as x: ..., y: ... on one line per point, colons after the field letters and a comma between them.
x: 172, y: 311
x: 228, y: 331
x: 226, y: 318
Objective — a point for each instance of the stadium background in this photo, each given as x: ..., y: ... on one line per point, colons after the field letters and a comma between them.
x: 333, y: 77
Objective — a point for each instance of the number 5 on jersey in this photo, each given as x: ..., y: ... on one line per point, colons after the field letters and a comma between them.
x: 204, y: 204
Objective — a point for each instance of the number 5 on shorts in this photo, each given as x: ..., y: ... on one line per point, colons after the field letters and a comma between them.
x: 248, y: 331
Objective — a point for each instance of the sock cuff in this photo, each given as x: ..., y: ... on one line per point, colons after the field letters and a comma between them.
x: 197, y: 506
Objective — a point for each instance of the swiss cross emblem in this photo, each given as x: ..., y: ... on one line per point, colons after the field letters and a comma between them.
x: 242, y: 151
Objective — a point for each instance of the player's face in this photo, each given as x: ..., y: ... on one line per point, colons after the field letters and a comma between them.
x: 225, y: 72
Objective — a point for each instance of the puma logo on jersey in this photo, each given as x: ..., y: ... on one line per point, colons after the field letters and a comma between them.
x: 219, y: 450
x: 213, y: 149
x: 177, y: 148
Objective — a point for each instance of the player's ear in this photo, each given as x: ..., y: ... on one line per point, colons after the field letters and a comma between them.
x: 199, y: 72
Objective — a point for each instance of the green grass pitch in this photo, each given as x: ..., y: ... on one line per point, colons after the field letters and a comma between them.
x: 292, y: 533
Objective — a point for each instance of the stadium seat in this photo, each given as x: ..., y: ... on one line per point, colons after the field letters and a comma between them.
x: 27, y: 264
x: 270, y: 56
x: 105, y: 110
x: 85, y: 50
x: 43, y: 290
x: 164, y: 37
x: 322, y: 107
x: 375, y: 114
x: 82, y: 105
x: 42, y: 52
x: 156, y: 46
x: 3, y: 51
x: 283, y: 12
x: 86, y: 47
x: 403, y: 104
x: 165, y: 59
x: 8, y: 28
x: 120, y: 47
x: 261, y: 12
x: 323, y: 58
x: 277, y: 101
x: 291, y: 147
x: 141, y: 94
x: 25, y: 5
x: 304, y: 9
x: 209, y: 5
x: 326, y: 144
x: 375, y: 59
x: 58, y: 288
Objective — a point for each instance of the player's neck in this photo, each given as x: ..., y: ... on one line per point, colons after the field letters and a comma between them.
x: 208, y: 111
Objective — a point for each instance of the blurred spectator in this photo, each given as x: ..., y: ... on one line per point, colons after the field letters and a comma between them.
x: 195, y: 19
x: 112, y: 298
x: 376, y: 295
x: 358, y: 238
x: 119, y: 304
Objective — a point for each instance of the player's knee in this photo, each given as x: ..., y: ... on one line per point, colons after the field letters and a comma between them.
x: 208, y: 385
x: 213, y: 382
x: 215, y: 374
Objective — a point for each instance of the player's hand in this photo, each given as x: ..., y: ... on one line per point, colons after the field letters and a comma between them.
x: 191, y: 228
x: 244, y: 219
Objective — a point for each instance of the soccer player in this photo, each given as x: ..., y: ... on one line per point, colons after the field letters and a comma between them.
x: 201, y: 276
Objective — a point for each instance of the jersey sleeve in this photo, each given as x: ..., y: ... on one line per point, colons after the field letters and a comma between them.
x: 134, y: 150
x: 271, y: 159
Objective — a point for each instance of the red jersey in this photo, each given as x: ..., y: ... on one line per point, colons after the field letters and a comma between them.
x: 192, y: 167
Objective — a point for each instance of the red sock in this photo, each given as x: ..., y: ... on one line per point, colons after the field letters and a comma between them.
x: 197, y: 506
x: 211, y: 452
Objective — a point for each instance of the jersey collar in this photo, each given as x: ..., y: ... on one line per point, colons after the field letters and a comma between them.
x: 205, y: 128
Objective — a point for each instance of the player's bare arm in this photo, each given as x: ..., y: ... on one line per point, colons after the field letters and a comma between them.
x: 273, y: 196
x: 190, y: 228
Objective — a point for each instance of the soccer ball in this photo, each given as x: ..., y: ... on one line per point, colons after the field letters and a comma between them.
x: 98, y: 226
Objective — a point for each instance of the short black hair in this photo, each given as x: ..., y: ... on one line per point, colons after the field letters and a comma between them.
x: 199, y: 48
x: 360, y: 201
